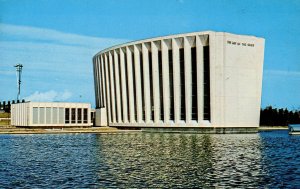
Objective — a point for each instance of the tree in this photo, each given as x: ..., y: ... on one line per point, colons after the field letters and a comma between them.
x: 270, y: 116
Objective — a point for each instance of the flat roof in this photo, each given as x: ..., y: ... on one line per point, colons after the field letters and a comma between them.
x: 167, y: 37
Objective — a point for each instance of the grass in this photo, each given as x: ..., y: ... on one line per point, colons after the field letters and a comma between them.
x: 4, y: 122
x: 4, y: 115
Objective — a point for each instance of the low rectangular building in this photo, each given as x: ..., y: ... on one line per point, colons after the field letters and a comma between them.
x: 51, y: 114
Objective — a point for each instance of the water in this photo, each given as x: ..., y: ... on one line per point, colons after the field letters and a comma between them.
x: 143, y: 160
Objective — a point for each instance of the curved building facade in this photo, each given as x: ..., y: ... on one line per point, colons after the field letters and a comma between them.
x: 201, y: 79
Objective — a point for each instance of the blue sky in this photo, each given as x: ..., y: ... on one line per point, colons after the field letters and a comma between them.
x: 56, y: 39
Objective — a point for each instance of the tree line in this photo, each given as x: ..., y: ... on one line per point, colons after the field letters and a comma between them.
x: 270, y: 116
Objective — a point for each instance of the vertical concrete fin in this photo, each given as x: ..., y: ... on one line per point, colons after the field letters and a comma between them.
x: 146, y: 82
x: 107, y: 88
x: 124, y: 86
x: 166, y: 85
x: 200, y: 97
x: 99, y: 83
x: 176, y: 75
x: 155, y: 80
x: 188, y: 77
x: 117, y: 83
x: 112, y: 86
x: 130, y: 84
x: 138, y: 80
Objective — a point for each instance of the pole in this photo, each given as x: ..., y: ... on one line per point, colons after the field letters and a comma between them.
x: 19, y: 72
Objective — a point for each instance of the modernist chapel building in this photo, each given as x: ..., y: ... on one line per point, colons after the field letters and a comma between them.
x: 205, y: 80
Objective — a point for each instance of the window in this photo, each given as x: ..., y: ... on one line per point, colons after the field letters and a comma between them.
x: 161, y: 85
x: 134, y: 84
x: 48, y: 115
x: 73, y: 116
x: 85, y: 115
x: 98, y: 86
x: 142, y: 85
x: 127, y: 90
x: 102, y: 84
x: 96, y: 81
x: 206, y: 86
x: 61, y: 115
x: 79, y: 115
x: 170, y: 53
x: 182, y: 84
x: 67, y: 115
x: 35, y: 114
x: 42, y: 115
x: 194, y: 84
x: 121, y: 90
x: 151, y: 85
x: 54, y: 115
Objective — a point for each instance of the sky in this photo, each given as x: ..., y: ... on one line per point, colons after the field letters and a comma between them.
x: 55, y: 40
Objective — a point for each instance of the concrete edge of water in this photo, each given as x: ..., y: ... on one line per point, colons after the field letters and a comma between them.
x: 212, y: 130
x: 100, y: 130
x: 115, y: 130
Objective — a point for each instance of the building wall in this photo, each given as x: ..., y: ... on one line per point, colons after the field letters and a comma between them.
x: 51, y: 114
x: 195, y: 79
x: 20, y: 114
x: 100, y: 119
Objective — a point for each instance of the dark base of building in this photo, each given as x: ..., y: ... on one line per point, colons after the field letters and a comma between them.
x: 199, y: 130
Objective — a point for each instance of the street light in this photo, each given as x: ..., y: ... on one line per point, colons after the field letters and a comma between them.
x: 19, y: 72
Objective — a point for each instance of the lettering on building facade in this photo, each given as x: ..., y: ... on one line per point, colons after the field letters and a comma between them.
x: 239, y: 43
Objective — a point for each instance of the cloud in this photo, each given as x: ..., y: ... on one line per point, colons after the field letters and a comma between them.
x: 53, y: 36
x: 7, y: 72
x: 49, y: 96
x: 52, y: 61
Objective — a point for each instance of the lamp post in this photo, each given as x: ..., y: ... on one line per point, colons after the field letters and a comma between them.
x: 19, y: 72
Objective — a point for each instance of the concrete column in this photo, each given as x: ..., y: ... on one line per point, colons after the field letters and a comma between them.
x: 99, y: 86
x: 200, y: 80
x: 166, y: 82
x: 188, y: 78
x: 138, y: 84
x: 76, y: 120
x: 103, y: 92
x: 176, y: 75
x: 146, y: 83
x: 117, y: 83
x: 216, y: 69
x: 130, y: 85
x: 95, y: 80
x: 155, y: 77
x: 107, y: 89
x: 112, y: 87
x: 124, y: 87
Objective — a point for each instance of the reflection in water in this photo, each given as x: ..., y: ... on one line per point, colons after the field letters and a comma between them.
x: 150, y: 160
x: 181, y: 160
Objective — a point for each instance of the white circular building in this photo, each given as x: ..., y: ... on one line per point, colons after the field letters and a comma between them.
x: 195, y: 80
